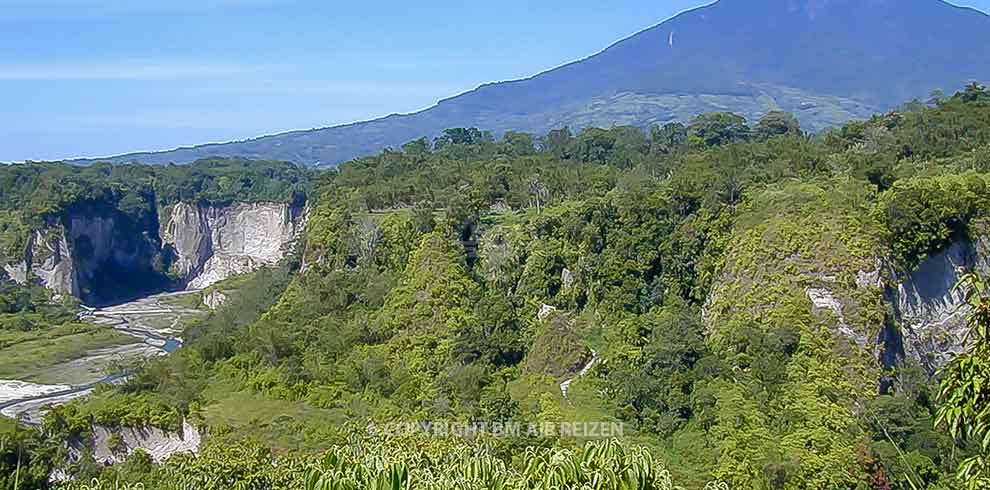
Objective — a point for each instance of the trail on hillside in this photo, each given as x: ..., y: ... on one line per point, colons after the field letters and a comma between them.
x: 566, y: 385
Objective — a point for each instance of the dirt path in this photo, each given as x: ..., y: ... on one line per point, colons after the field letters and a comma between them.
x: 584, y: 371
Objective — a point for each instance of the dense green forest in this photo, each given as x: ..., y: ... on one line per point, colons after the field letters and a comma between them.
x: 464, y: 279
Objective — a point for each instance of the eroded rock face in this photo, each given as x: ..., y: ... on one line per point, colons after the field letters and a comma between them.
x: 215, y: 299
x: 112, y: 445
x: 88, y: 255
x: 822, y: 299
x: 48, y: 259
x: 932, y: 313
x: 213, y: 243
x: 51, y: 262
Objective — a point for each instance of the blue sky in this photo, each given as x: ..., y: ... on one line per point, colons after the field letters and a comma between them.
x: 102, y: 77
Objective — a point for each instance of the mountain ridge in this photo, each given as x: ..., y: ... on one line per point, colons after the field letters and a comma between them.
x: 811, y: 58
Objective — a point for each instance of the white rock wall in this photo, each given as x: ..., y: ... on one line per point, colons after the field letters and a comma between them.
x: 50, y: 261
x: 214, y: 243
x: 159, y: 444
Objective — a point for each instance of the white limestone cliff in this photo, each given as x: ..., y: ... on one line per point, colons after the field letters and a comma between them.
x: 213, y: 243
x: 205, y: 243
x: 47, y: 259
x: 159, y: 444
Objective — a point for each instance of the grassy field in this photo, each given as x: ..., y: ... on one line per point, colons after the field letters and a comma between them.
x: 30, y: 355
x: 280, y: 424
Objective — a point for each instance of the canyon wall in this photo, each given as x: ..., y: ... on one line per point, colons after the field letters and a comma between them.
x: 96, y: 255
x: 930, y: 310
x: 213, y: 243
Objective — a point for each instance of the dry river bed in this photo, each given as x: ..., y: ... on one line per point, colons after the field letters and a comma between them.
x: 156, y: 324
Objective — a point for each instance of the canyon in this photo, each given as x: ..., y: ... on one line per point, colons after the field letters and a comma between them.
x: 101, y: 256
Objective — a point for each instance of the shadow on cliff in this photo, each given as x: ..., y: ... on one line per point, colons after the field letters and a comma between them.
x: 115, y: 285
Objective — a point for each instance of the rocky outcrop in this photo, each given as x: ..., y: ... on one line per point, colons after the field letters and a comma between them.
x: 931, y: 312
x: 49, y: 261
x: 113, y: 445
x: 214, y: 299
x: 824, y: 300
x: 94, y: 254
x: 212, y: 243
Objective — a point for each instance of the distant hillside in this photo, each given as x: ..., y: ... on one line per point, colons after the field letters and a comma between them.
x: 828, y: 61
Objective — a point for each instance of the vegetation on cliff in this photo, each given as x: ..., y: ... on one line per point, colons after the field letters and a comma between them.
x: 729, y: 279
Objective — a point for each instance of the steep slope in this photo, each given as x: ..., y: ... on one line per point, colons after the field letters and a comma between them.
x: 828, y: 61
x: 98, y: 257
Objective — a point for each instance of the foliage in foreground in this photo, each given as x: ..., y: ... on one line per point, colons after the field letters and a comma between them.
x: 965, y: 388
x: 408, y: 463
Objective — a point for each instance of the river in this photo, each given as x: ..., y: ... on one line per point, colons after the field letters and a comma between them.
x: 156, y: 322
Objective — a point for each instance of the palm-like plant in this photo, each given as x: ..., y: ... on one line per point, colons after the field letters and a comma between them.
x: 964, y: 394
x: 606, y: 465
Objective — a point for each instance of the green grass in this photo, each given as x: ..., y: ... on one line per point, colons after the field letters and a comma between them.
x: 227, y: 286
x: 29, y: 355
x: 280, y: 424
x: 190, y: 301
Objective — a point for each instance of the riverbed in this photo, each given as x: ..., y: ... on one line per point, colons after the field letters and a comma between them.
x: 156, y: 324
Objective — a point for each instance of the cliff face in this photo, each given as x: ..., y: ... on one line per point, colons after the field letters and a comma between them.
x: 932, y: 313
x: 48, y: 259
x: 112, y: 445
x: 71, y: 256
x: 213, y: 243
x: 101, y: 256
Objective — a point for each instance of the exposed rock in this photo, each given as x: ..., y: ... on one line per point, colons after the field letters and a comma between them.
x: 932, y: 313
x: 50, y: 260
x: 566, y: 385
x: 202, y: 244
x: 214, y: 299
x: 68, y: 255
x: 213, y: 243
x: 823, y: 300
x: 868, y: 279
x: 159, y: 444
x: 187, y: 231
x: 545, y: 312
x: 566, y: 279
x: 17, y: 272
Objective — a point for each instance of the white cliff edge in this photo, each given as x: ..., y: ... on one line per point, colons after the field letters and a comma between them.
x: 214, y: 243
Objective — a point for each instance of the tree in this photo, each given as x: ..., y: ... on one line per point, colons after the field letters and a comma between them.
x: 776, y: 123
x: 964, y: 393
x: 974, y: 92
x: 461, y: 136
x: 594, y: 145
x: 937, y: 97
x: 558, y: 142
x: 668, y: 138
x: 717, y: 128
x: 416, y: 147
x: 520, y: 143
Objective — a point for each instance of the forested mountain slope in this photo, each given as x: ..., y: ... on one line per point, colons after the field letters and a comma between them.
x: 750, y: 302
x: 827, y: 61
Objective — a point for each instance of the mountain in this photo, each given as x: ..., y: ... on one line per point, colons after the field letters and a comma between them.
x: 827, y: 61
